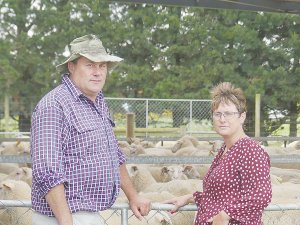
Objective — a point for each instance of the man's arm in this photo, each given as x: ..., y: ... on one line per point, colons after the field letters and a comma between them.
x: 57, y: 200
x: 139, y: 205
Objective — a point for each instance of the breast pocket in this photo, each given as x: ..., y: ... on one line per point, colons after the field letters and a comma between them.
x: 85, y: 136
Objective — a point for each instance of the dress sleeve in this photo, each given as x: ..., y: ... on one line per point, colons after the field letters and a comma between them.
x: 197, y: 197
x: 46, y: 149
x: 256, y: 190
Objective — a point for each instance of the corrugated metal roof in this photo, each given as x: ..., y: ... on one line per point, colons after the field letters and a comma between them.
x: 278, y: 6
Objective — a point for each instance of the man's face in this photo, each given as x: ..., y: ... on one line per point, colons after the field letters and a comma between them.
x: 88, y: 76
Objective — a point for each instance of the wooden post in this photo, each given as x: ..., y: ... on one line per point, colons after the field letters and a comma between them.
x: 257, y: 115
x: 6, y: 114
x: 130, y: 125
x: 182, y: 131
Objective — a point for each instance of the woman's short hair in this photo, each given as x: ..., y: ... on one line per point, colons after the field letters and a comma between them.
x: 225, y: 92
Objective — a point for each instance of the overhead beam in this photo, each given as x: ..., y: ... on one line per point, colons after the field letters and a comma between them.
x: 244, y: 5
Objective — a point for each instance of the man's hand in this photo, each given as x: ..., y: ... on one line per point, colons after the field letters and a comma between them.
x: 140, y: 206
x: 220, y: 219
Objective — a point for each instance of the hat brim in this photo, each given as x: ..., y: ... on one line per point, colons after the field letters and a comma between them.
x: 112, y: 61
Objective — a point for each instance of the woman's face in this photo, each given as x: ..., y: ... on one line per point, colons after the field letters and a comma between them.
x: 228, y: 127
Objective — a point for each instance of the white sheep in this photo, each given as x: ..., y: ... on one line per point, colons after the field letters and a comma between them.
x: 294, y: 144
x: 167, y: 144
x: 139, y: 150
x: 12, y: 148
x: 191, y: 172
x: 183, y: 143
x: 16, y: 190
x: 8, y: 168
x: 174, y: 172
x: 143, y: 181
x: 137, y: 140
x: 286, y: 175
x: 147, y: 144
x: 23, y: 174
x: 126, y: 148
x: 201, y: 169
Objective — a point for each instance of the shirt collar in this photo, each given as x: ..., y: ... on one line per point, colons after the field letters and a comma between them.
x: 75, y: 91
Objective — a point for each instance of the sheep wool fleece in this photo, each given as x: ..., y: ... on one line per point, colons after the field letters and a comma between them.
x: 72, y: 142
x: 238, y: 182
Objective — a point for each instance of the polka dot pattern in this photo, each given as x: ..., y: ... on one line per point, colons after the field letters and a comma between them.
x: 238, y: 183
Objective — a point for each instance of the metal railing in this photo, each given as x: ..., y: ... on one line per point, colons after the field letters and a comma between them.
x: 288, y: 212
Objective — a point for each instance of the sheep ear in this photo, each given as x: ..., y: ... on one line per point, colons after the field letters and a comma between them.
x: 18, y: 143
x: 8, y: 185
x: 164, y: 169
x: 187, y: 168
x: 24, y: 169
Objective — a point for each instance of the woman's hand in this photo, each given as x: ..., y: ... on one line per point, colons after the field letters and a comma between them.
x: 220, y: 219
x: 180, y: 201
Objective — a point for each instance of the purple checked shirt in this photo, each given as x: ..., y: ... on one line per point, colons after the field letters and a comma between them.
x: 72, y: 142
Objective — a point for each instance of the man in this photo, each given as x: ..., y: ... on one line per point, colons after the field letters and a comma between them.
x: 78, y: 167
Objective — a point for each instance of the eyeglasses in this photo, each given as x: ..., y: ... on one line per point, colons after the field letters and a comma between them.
x: 227, y: 115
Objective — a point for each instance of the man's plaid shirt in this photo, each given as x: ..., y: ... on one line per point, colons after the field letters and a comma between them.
x: 72, y: 142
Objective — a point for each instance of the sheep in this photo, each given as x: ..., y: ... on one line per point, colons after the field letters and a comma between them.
x: 23, y: 174
x: 3, y: 176
x: 285, y: 175
x: 191, y: 172
x: 167, y: 144
x: 182, y: 143
x: 174, y: 172
x: 275, y: 179
x: 193, y: 139
x: 12, y: 148
x: 167, y: 173
x: 143, y: 181
x: 139, y: 150
x: 16, y: 190
x: 136, y: 140
x: 8, y: 168
x: 126, y: 148
x: 294, y: 144
x: 276, y: 150
x: 201, y: 169
x: 185, y: 147
x: 147, y: 144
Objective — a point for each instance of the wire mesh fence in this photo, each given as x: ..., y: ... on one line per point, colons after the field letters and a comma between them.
x: 150, y: 113
x: 20, y: 212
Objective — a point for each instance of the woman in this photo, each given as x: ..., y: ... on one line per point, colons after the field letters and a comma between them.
x: 237, y: 187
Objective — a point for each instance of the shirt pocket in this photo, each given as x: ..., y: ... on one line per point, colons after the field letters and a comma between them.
x: 85, y: 136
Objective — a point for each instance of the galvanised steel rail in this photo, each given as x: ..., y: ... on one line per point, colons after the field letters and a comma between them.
x: 124, y: 207
x: 280, y: 159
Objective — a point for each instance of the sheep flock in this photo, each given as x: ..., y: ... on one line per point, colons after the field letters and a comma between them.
x: 156, y: 182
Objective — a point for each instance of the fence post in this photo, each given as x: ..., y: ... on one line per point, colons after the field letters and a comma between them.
x: 257, y: 115
x: 130, y: 125
x: 182, y: 131
x: 124, y: 216
x: 6, y: 114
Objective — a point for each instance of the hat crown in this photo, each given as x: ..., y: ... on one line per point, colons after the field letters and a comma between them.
x: 87, y: 44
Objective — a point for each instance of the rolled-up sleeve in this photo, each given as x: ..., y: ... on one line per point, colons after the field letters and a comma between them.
x: 46, y: 148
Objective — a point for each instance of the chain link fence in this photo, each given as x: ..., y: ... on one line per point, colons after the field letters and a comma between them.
x: 20, y: 212
x: 149, y: 113
x: 153, y: 114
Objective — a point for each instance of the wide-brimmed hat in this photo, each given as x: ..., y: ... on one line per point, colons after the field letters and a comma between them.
x: 90, y: 47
